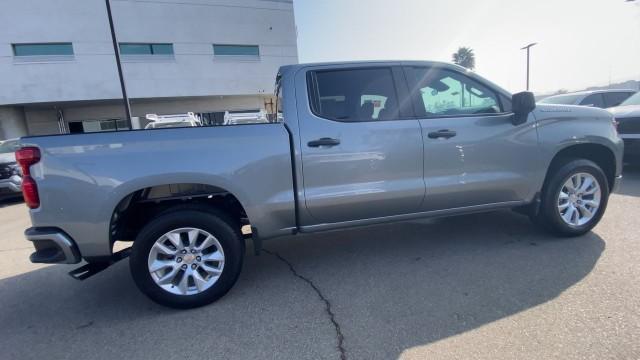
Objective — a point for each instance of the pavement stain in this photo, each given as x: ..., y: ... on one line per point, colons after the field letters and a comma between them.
x: 84, y: 326
x: 327, y: 303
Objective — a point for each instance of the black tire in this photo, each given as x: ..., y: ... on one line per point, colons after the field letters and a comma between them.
x: 549, y: 216
x: 209, y: 220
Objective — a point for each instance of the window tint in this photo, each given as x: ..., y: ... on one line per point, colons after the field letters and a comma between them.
x: 236, y: 50
x: 42, y: 49
x: 146, y: 49
x: 616, y: 98
x: 447, y: 93
x: 595, y: 100
x: 506, y: 103
x: 355, y: 95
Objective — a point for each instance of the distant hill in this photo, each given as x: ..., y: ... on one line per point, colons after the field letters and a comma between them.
x: 629, y: 84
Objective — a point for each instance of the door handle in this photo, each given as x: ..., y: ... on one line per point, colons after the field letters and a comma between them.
x: 323, y: 142
x: 447, y: 134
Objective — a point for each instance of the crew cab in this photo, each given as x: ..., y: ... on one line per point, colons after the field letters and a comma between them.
x: 354, y: 144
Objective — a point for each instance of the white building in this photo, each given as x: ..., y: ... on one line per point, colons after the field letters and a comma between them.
x: 58, y: 71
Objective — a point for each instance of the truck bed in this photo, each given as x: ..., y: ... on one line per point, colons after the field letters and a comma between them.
x: 82, y: 178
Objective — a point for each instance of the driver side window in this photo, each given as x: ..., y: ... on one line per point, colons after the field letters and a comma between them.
x: 447, y: 93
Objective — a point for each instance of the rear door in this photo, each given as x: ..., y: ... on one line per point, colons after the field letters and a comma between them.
x: 361, y: 151
x: 473, y: 154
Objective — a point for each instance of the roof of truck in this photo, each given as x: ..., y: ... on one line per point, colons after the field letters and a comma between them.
x: 437, y: 64
x: 373, y: 62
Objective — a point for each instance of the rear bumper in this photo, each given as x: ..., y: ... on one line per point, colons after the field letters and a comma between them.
x: 52, y: 246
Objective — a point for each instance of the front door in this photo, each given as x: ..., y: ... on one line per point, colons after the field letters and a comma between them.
x: 361, y: 158
x: 473, y: 154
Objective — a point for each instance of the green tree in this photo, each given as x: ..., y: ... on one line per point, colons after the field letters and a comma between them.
x: 465, y: 57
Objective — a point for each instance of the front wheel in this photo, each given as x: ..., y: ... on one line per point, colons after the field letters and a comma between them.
x: 574, y: 198
x: 187, y: 258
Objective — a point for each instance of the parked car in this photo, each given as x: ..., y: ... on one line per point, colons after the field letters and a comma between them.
x: 172, y: 121
x: 245, y: 117
x: 10, y: 177
x: 440, y: 141
x: 596, y: 98
x: 628, y: 121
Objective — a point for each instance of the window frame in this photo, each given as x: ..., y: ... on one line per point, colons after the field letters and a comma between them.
x: 313, y: 94
x: 15, y: 45
x: 149, y: 45
x: 42, y: 58
x: 237, y: 56
x: 418, y: 104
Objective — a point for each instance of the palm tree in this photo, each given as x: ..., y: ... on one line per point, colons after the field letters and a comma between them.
x: 465, y: 57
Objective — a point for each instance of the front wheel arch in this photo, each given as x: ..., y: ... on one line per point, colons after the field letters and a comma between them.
x: 599, y: 154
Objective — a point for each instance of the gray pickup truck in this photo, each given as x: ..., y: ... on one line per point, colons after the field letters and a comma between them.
x: 352, y: 144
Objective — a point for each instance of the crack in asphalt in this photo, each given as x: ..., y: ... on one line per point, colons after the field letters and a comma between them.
x: 327, y: 303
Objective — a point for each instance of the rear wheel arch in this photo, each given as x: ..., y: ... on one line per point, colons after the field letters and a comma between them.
x: 139, y: 207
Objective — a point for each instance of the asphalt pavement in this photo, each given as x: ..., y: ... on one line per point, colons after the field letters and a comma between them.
x: 483, y: 286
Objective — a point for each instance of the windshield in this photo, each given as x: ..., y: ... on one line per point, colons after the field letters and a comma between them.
x: 634, y: 100
x: 8, y: 146
x: 561, y: 99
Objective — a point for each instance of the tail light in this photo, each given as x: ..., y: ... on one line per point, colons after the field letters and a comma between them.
x: 26, y: 157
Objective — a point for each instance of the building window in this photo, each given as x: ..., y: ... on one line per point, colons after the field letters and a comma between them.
x: 245, y: 51
x: 146, y: 49
x: 44, y: 49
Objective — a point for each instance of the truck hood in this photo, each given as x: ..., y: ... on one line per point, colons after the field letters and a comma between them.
x: 7, y: 158
x: 545, y: 111
x: 626, y: 111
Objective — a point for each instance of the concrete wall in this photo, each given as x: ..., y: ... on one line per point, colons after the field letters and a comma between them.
x: 42, y: 120
x: 192, y: 26
x: 12, y: 122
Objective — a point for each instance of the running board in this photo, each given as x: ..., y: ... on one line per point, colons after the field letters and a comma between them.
x: 88, y: 270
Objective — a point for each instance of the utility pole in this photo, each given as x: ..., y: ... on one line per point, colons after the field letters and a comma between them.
x: 528, y: 48
x: 116, y: 49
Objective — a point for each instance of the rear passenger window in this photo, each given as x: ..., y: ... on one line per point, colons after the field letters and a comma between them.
x: 594, y: 100
x: 439, y: 92
x: 616, y: 98
x: 354, y: 94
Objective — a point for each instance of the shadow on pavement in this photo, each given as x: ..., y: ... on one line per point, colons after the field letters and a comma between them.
x: 10, y: 200
x: 630, y: 181
x: 391, y: 288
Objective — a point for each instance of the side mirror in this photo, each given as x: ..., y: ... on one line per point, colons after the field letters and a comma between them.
x: 522, y: 104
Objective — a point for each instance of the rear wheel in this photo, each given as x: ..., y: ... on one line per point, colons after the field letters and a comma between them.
x: 187, y: 258
x: 574, y: 198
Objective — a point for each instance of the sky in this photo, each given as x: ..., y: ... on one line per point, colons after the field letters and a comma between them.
x: 581, y: 43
